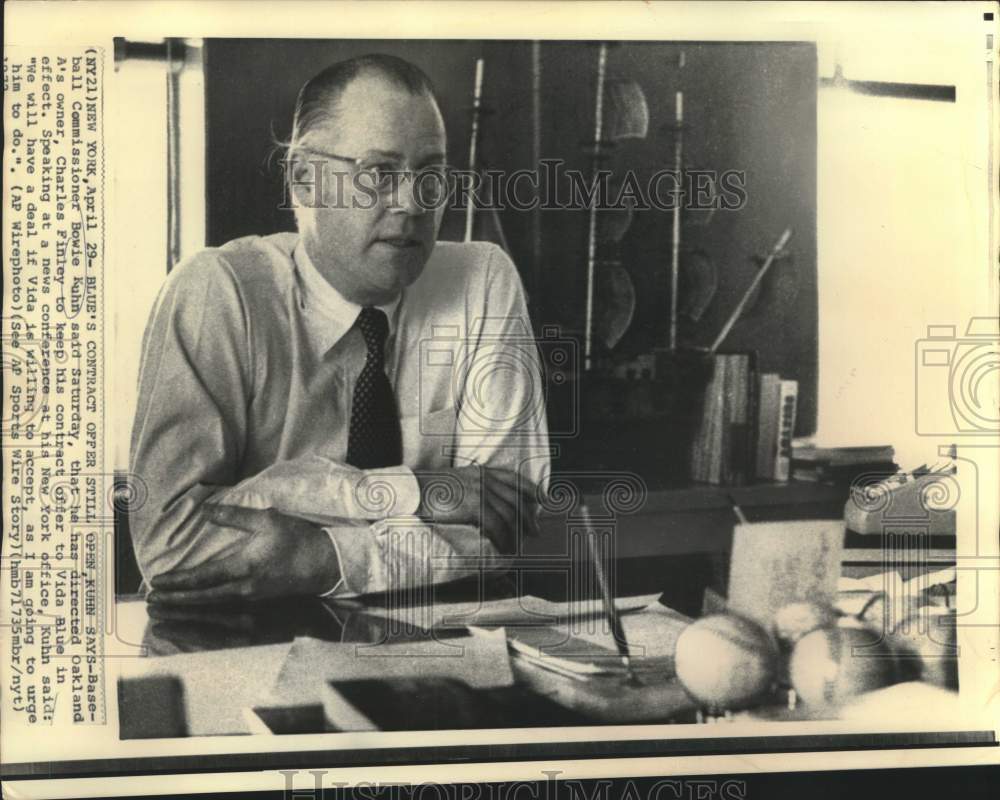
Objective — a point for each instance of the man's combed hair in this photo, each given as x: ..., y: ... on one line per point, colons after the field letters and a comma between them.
x: 318, y: 98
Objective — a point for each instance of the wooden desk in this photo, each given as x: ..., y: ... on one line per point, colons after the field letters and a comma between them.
x: 676, y: 543
x: 208, y: 666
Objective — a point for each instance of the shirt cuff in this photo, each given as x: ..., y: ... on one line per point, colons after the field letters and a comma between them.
x: 353, y: 544
x: 387, y: 492
x: 406, y: 552
x: 340, y: 565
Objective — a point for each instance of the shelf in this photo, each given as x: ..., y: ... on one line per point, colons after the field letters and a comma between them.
x: 703, y: 497
x: 687, y: 520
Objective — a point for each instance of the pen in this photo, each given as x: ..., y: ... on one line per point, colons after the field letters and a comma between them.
x: 610, y: 611
x: 737, y: 510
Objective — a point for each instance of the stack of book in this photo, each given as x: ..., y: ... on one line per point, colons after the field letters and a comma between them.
x: 840, y: 465
x: 723, y: 443
x: 745, y: 429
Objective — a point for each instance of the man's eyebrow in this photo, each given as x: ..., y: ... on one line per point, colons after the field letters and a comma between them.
x: 394, y: 156
x: 383, y: 154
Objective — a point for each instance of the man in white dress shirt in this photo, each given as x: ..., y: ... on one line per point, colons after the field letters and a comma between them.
x: 352, y: 408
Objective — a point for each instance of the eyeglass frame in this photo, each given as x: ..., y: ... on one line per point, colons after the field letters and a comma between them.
x: 414, y: 175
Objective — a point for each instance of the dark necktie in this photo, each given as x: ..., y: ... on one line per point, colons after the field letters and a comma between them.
x: 374, y: 439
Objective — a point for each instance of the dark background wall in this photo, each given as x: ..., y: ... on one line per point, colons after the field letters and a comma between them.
x: 748, y: 106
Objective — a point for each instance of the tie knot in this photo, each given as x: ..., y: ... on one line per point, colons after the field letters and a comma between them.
x: 374, y: 327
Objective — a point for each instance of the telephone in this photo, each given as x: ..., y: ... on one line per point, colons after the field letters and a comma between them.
x: 923, y: 499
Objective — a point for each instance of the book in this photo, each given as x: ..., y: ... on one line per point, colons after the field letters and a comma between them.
x: 840, y: 474
x: 724, y: 441
x: 701, y: 441
x: 788, y: 397
x: 740, y: 428
x: 836, y: 456
x: 840, y: 465
x: 768, y: 413
x: 749, y: 453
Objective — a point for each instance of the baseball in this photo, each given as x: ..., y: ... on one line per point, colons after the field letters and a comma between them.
x: 725, y: 661
x: 831, y: 665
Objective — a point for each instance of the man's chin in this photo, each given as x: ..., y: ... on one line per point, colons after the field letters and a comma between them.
x: 399, y: 266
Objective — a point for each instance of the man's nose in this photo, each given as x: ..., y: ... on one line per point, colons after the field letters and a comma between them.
x: 405, y: 198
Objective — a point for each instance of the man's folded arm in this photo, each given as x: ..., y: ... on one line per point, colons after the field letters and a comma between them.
x: 195, y: 385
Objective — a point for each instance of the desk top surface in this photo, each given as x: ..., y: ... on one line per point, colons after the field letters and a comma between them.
x: 225, y: 660
x: 229, y: 659
x: 679, y: 580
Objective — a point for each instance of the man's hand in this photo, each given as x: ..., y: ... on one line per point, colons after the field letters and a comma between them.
x: 282, y: 556
x: 498, y: 501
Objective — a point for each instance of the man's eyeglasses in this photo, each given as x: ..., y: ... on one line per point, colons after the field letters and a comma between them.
x: 432, y: 184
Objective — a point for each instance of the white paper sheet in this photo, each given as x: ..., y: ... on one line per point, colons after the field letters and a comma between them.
x: 480, y: 660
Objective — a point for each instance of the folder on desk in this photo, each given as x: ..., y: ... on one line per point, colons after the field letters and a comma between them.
x: 478, y: 660
x: 217, y: 684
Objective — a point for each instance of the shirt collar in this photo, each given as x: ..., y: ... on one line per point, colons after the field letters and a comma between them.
x: 339, y: 312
